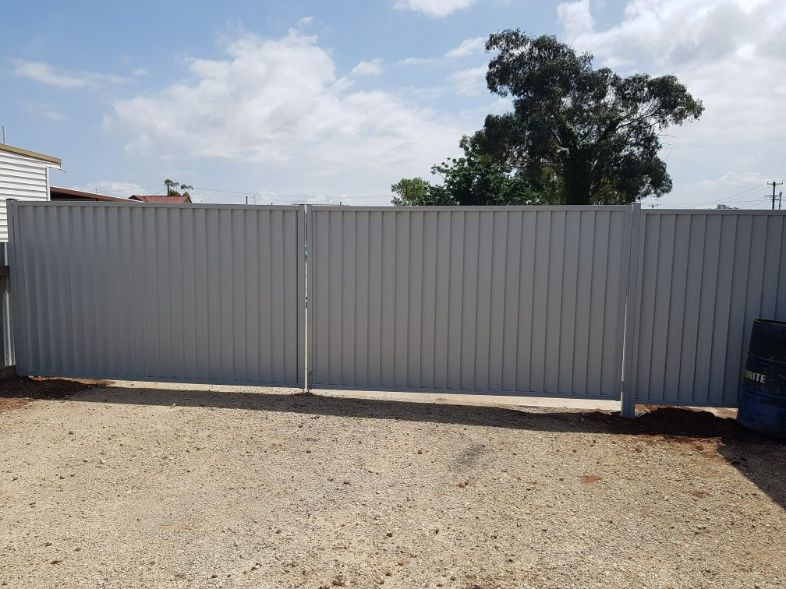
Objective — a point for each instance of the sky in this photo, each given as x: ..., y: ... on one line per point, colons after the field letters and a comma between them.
x: 328, y: 102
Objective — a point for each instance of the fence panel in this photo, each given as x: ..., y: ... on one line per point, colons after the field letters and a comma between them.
x: 196, y: 293
x: 704, y: 277
x: 525, y: 300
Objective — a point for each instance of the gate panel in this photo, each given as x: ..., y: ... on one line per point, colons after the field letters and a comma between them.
x: 704, y: 277
x: 192, y: 293
x: 492, y: 299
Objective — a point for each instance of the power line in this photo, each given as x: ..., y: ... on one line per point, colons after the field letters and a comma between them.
x: 252, y: 194
x: 730, y: 197
x: 755, y: 200
x: 263, y: 195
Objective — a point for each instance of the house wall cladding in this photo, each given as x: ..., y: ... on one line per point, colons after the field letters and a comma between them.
x: 495, y: 299
x: 23, y: 178
x: 196, y: 293
x: 704, y: 276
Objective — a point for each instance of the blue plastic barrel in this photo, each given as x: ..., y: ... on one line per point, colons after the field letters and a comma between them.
x: 762, y: 405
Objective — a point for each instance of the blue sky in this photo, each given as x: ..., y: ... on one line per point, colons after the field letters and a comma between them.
x: 304, y: 101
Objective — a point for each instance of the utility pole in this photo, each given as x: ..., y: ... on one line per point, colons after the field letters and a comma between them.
x: 774, y: 184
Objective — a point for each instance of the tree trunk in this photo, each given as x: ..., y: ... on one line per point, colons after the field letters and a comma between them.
x: 577, y: 179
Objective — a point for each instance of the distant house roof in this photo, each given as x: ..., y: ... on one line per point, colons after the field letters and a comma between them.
x: 161, y: 199
x: 58, y: 193
x: 33, y: 154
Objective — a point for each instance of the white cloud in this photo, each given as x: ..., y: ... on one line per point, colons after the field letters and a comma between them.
x: 46, y: 110
x: 114, y: 188
x: 368, y: 68
x: 469, y: 82
x: 468, y: 47
x: 575, y: 17
x: 416, y: 61
x: 278, y: 104
x: 729, y: 53
x: 140, y: 71
x: 53, y: 114
x: 725, y: 51
x: 436, y: 8
x: 46, y: 74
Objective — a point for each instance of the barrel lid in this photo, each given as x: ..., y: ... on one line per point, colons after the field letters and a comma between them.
x: 768, y: 340
x: 771, y: 321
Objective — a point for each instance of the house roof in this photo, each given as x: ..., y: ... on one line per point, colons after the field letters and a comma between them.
x: 58, y: 193
x: 33, y: 154
x: 161, y: 198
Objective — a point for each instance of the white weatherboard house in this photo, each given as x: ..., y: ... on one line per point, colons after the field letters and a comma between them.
x: 24, y: 175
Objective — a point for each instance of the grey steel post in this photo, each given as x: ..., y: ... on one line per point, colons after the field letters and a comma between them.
x: 6, y: 338
x: 306, y: 270
x: 13, y: 296
x: 630, y: 342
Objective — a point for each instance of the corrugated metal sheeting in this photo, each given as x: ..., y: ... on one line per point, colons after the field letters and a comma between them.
x: 200, y: 293
x: 494, y: 299
x: 704, y: 277
x: 521, y: 300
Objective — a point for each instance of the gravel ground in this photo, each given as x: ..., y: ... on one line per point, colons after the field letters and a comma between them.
x: 132, y: 486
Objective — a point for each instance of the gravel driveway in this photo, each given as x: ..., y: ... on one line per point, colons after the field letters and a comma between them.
x: 194, y: 486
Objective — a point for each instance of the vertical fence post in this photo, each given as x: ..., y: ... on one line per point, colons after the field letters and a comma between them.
x: 630, y: 342
x: 6, y: 337
x: 307, y: 259
x: 13, y: 297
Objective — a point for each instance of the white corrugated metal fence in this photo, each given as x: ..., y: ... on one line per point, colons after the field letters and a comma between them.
x: 515, y: 300
x: 703, y: 277
x: 201, y: 293
x: 493, y: 299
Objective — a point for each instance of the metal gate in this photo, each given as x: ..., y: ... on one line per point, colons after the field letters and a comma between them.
x: 197, y: 293
x: 702, y: 278
x: 515, y: 300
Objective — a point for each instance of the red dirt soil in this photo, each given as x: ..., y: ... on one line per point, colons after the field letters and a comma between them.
x: 18, y: 391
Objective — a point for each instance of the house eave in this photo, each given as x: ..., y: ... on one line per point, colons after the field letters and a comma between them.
x: 32, y: 154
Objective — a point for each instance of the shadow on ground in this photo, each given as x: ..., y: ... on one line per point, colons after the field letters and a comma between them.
x: 760, y: 458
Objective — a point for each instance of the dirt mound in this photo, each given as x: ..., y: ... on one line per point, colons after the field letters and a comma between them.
x: 18, y: 391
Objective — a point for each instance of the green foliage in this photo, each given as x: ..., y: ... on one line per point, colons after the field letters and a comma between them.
x: 472, y: 180
x: 478, y: 179
x: 174, y: 188
x: 418, y: 192
x: 592, y: 130
x: 576, y: 135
